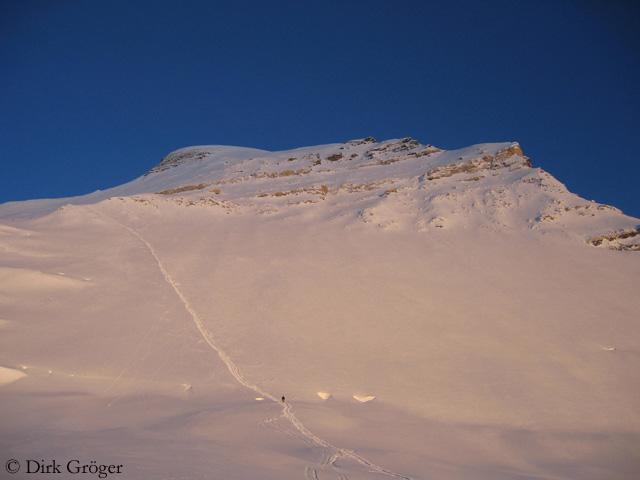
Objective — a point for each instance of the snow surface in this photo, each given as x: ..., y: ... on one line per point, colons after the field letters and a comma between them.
x: 8, y: 375
x: 427, y: 314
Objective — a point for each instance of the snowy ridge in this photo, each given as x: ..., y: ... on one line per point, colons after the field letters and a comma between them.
x: 392, y: 184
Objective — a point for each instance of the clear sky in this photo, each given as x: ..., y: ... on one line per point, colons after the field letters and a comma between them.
x: 96, y: 92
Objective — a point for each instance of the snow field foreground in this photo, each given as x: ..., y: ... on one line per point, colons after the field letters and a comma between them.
x: 144, y: 372
x: 489, y: 355
x: 332, y: 454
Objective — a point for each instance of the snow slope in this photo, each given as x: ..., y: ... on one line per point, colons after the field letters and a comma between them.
x: 427, y: 314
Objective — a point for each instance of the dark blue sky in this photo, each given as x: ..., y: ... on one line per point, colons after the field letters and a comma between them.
x: 95, y: 93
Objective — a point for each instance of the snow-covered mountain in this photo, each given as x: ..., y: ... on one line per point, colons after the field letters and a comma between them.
x: 426, y: 314
x: 397, y: 184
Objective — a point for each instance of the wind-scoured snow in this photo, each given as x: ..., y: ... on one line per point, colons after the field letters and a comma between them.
x: 426, y: 314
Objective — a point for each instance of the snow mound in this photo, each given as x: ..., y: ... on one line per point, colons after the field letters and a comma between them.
x: 10, y: 375
x: 364, y: 399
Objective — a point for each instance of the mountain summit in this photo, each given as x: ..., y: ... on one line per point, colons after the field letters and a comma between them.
x: 392, y: 184
x: 361, y: 310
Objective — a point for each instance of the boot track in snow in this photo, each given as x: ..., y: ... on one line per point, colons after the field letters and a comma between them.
x: 333, y: 454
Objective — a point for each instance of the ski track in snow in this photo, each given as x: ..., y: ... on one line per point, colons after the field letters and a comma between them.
x: 333, y: 454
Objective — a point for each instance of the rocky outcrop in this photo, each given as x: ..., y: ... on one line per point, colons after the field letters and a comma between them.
x: 178, y: 158
x: 510, y: 157
x: 625, y: 240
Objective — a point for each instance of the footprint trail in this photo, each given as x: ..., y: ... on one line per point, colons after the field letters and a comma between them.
x: 333, y: 453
